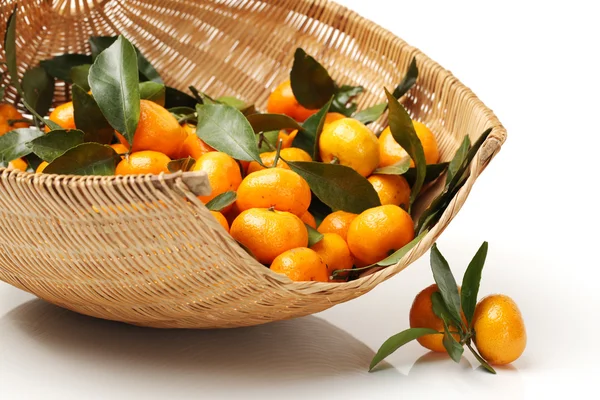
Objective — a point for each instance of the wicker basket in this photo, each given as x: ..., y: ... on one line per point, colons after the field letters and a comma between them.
x: 143, y: 249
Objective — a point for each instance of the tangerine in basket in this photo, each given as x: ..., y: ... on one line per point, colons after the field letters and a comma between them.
x: 334, y: 251
x: 286, y: 139
x: 309, y: 220
x: 268, y: 233
x: 18, y: 163
x: 268, y: 158
x: 390, y: 152
x: 143, y: 162
x: 193, y: 146
x: 221, y: 219
x: 8, y: 115
x: 282, y: 101
x: 223, y: 173
x: 40, y: 168
x: 337, y: 222
x: 391, y: 189
x: 301, y: 264
x: 64, y: 116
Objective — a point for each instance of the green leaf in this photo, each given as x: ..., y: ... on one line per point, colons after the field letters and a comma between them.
x: 85, y: 159
x: 409, y: 80
x: 146, y: 71
x: 115, y: 85
x: 439, y: 307
x: 318, y: 209
x: 51, y: 125
x: 342, y: 100
x: 202, y: 97
x: 404, y: 134
x: 100, y: 43
x: 80, y: 76
x: 446, y: 284
x: 10, y: 49
x: 268, y: 142
x: 483, y: 363
x: 433, y: 172
x: 455, y: 350
x: 15, y: 144
x: 458, y: 159
x: 314, y: 236
x: 308, y: 138
x: 177, y: 98
x: 398, y: 254
x: 397, y: 341
x: 38, y: 89
x: 153, y: 91
x: 182, y: 164
x: 338, y: 186
x: 370, y: 114
x: 396, y: 169
x: 221, y: 201
x: 233, y: 102
x: 272, y: 122
x: 55, y: 143
x: 311, y: 84
x: 470, y: 284
x: 226, y: 129
x: 89, y: 117
x: 60, y: 66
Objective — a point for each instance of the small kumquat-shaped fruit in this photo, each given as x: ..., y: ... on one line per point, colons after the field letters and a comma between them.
x: 337, y: 222
x: 301, y: 264
x: 282, y: 101
x: 391, y: 189
x: 9, y: 114
x: 64, y: 115
x: 390, y: 152
x: 193, y: 146
x: 223, y: 173
x: 143, y: 162
x: 334, y: 251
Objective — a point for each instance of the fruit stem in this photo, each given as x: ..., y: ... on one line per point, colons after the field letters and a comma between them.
x: 334, y: 160
x: 276, y: 159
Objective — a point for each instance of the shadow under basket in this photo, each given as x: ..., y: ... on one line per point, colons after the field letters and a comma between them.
x: 143, y: 249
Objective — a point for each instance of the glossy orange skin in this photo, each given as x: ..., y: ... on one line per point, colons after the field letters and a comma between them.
x: 282, y: 101
x: 223, y: 173
x: 301, y: 264
x: 391, y: 189
x: 193, y: 146
x: 19, y: 164
x: 221, y: 219
x: 378, y: 231
x: 287, y: 139
x: 352, y: 144
x: 333, y: 116
x: 9, y: 112
x: 41, y: 167
x: 289, y: 154
x: 143, y: 162
x: 500, y: 334
x: 120, y: 148
x: 309, y: 220
x: 337, y: 222
x: 157, y: 130
x: 64, y: 116
x: 282, y: 189
x: 390, y: 152
x: 334, y: 251
x: 422, y: 316
x: 268, y: 233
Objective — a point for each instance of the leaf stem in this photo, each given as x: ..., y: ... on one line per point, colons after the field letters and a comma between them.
x: 483, y: 363
x: 187, y: 117
x: 276, y: 159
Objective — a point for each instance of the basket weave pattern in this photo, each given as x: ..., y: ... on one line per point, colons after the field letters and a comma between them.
x: 143, y: 249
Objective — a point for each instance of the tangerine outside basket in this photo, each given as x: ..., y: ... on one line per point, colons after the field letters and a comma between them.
x: 143, y: 249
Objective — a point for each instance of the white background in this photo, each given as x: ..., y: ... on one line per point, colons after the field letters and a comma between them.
x: 536, y: 65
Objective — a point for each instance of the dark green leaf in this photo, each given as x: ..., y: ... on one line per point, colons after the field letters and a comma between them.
x: 153, y: 91
x: 458, y: 159
x: 397, y: 341
x: 318, y: 209
x: 147, y: 71
x: 115, y: 85
x: 177, y: 98
x: 15, y: 144
x: 221, y: 201
x: 272, y: 122
x: 398, y: 254
x: 100, y: 43
x: 308, y: 138
x: 33, y: 161
x: 338, y: 186
x: 79, y: 76
x: 433, y: 172
x: 38, y: 89
x: 226, y: 129
x: 314, y: 236
x: 370, y: 114
x: 470, y: 283
x: 396, y: 169
x: 10, y: 49
x: 409, y: 80
x: 455, y: 350
x: 55, y: 143
x: 233, y: 102
x: 404, y: 134
x: 342, y: 100
x: 50, y: 124
x: 85, y: 159
x: 483, y: 363
x: 439, y: 307
x: 446, y: 284
x: 311, y: 84
x: 60, y: 66
x: 182, y: 164
x: 202, y: 97
x: 89, y: 117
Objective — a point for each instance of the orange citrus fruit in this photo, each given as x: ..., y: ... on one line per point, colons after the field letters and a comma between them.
x: 279, y: 188
x: 287, y: 139
x: 422, y: 316
x: 352, y: 144
x: 391, y: 189
x: 301, y: 264
x: 334, y: 251
x: 221, y: 219
x: 193, y: 146
x: 143, y: 162
x: 120, y: 148
x: 309, y: 220
x: 378, y: 232
x: 9, y: 112
x: 41, y: 167
x: 268, y: 233
x: 332, y: 117
x: 390, y: 152
x: 289, y: 154
x: 337, y: 222
x: 499, y: 329
x: 223, y: 173
x: 282, y: 101
x: 19, y: 164
x: 64, y: 116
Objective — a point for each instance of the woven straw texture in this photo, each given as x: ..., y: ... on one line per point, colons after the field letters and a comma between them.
x: 143, y: 249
